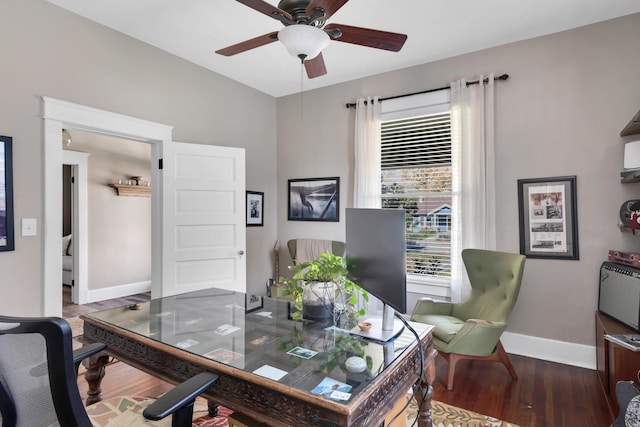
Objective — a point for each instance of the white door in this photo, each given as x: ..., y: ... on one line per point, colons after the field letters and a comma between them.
x: 203, y: 218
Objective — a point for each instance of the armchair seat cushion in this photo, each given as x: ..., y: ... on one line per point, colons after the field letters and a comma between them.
x: 446, y: 326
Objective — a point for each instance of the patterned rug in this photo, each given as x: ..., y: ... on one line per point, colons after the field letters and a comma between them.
x: 444, y: 415
x: 125, y: 412
x: 77, y: 325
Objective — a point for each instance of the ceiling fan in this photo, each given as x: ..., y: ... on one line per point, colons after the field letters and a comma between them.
x: 306, y: 33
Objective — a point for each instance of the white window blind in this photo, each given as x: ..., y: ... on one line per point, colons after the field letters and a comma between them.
x: 416, y: 176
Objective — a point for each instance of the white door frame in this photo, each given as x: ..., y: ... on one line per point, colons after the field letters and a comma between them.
x: 58, y: 114
x: 79, y: 224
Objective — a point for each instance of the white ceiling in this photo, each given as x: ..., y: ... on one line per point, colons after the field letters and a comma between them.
x: 436, y: 29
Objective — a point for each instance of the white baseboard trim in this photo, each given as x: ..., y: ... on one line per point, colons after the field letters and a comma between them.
x: 94, y: 295
x: 580, y: 355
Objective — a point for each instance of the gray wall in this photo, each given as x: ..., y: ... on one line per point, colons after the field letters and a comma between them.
x: 560, y: 113
x: 47, y: 51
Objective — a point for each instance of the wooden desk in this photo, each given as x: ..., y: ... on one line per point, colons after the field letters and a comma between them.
x: 233, y: 343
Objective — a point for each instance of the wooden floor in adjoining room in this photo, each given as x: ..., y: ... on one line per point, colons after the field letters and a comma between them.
x: 546, y: 394
x: 69, y: 309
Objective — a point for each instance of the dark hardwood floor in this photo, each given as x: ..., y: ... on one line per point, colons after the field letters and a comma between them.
x: 547, y: 394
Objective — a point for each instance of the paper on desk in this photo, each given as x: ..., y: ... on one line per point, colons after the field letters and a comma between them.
x: 270, y: 372
x: 264, y: 314
x: 226, y: 329
x: 187, y: 343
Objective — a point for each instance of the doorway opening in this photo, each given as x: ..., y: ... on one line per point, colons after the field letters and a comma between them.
x: 117, y: 259
x: 61, y: 114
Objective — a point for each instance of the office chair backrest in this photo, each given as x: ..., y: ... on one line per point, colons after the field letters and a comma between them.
x: 38, y: 385
x: 495, y: 279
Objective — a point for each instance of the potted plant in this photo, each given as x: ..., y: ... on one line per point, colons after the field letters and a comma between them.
x: 322, y: 291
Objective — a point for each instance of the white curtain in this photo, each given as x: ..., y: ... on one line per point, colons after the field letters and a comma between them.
x: 472, y: 136
x: 367, y: 173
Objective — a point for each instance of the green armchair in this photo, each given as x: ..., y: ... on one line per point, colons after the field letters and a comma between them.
x: 472, y: 329
x: 337, y: 248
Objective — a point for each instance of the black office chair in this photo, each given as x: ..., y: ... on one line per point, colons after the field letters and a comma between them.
x: 38, y: 378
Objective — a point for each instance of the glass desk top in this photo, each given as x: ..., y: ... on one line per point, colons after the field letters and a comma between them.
x: 319, y: 359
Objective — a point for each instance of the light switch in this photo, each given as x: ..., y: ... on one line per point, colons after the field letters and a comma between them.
x: 29, y: 226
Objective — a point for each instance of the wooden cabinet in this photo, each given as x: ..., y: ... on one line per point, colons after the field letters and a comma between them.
x: 615, y: 363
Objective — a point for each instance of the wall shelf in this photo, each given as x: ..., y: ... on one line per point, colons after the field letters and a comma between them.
x: 132, y: 190
x: 633, y: 127
x: 627, y: 177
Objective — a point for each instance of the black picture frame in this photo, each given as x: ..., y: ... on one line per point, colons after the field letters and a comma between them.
x: 314, y: 199
x: 7, y: 240
x: 255, y: 209
x: 548, y: 217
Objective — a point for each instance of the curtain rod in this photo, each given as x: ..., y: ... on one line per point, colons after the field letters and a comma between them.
x: 475, y: 82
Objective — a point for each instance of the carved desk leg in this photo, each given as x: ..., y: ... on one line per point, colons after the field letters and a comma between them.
x: 94, y: 375
x: 424, y: 394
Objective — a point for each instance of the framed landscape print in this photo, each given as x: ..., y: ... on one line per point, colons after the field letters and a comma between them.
x: 6, y: 195
x: 314, y: 199
x: 255, y: 208
x: 548, y: 217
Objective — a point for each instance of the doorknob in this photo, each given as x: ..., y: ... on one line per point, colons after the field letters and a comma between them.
x: 241, y: 253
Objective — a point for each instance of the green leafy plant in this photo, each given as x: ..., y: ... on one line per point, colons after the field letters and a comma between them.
x: 332, y: 269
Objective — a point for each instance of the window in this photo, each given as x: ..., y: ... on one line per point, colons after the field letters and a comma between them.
x: 417, y: 176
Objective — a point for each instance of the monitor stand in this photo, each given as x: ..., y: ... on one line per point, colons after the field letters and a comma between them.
x: 382, y: 329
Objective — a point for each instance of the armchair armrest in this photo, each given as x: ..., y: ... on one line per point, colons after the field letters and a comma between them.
x: 428, y: 306
x: 477, y: 337
x: 88, y: 350
x: 179, y: 400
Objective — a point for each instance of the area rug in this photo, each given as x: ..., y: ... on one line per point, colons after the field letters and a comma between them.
x: 123, y: 412
x: 127, y: 412
x: 77, y: 326
x: 444, y: 415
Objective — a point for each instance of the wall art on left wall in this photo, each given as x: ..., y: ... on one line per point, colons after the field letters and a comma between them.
x: 255, y: 208
x: 6, y: 195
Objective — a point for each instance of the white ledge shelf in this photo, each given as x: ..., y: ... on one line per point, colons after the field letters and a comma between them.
x: 132, y: 190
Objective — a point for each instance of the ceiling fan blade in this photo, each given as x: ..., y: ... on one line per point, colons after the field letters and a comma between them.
x: 315, y: 67
x: 370, y: 38
x: 264, y: 7
x: 330, y: 6
x: 249, y: 44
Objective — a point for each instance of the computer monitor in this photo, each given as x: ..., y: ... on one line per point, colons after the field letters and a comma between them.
x: 375, y: 253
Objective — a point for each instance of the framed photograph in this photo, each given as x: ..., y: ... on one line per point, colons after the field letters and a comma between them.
x: 548, y: 218
x: 6, y: 195
x: 314, y: 199
x: 255, y: 208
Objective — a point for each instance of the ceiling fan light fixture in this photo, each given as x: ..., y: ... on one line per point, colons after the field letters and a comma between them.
x: 303, y: 41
